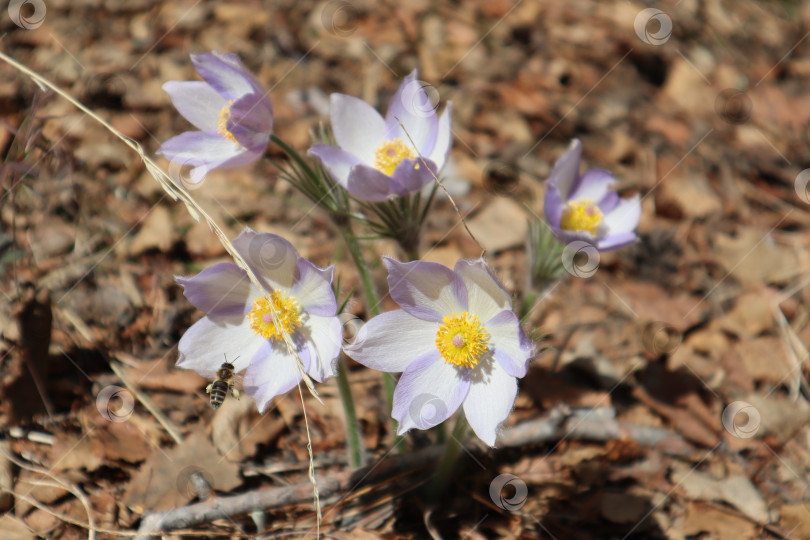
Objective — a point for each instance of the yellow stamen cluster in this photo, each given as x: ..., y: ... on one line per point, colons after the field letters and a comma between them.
x: 261, y: 318
x: 222, y: 123
x: 461, y: 340
x: 581, y: 215
x: 390, y: 153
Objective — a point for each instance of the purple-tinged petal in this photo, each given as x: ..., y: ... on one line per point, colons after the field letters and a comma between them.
x: 273, y: 371
x: 553, y: 205
x: 198, y: 148
x: 197, y: 101
x: 489, y: 401
x: 411, y: 116
x: 593, y: 185
x: 324, y: 344
x: 566, y: 171
x: 369, y: 184
x: 338, y: 162
x: 444, y: 138
x: 512, y: 349
x: 358, y: 127
x: 209, y: 341
x: 428, y: 393
x: 411, y: 175
x: 222, y: 290
x: 616, y: 241
x: 485, y: 294
x: 242, y: 157
x: 624, y: 217
x: 426, y: 290
x: 392, y: 341
x: 251, y: 121
x: 272, y: 257
x: 226, y: 74
x: 608, y: 202
x: 566, y: 236
x: 312, y: 289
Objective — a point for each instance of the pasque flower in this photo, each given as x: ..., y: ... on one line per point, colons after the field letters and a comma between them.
x: 231, y: 110
x: 456, y: 340
x: 239, y: 322
x: 378, y: 158
x: 583, y: 207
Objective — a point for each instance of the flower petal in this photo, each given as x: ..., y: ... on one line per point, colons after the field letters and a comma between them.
x: 512, y: 348
x: 625, y: 216
x: 338, y: 162
x: 444, y: 138
x: 312, y: 289
x: 251, y: 121
x: 358, y: 127
x: 553, y: 205
x: 608, y: 202
x: 593, y: 185
x: 411, y: 175
x: 616, y: 241
x: 411, y: 116
x: 490, y: 399
x: 566, y: 171
x: 324, y: 344
x: 428, y: 393
x: 209, y: 341
x: 241, y: 157
x: 486, y: 295
x: 273, y: 371
x: 272, y: 257
x: 369, y: 184
x: 197, y: 101
x: 221, y: 290
x: 198, y: 148
x: 426, y: 290
x: 226, y: 74
x: 392, y: 341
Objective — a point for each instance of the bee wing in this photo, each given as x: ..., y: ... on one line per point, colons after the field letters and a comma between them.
x: 238, y: 380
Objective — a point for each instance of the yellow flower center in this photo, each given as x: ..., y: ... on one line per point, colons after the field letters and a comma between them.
x: 461, y: 340
x: 390, y: 153
x: 581, y: 215
x: 261, y: 317
x: 222, y: 123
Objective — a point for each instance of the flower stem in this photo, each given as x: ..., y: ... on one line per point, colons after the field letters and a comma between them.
x: 444, y: 471
x: 356, y: 454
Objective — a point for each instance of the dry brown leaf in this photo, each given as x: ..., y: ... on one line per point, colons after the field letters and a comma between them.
x: 736, y: 490
x: 502, y: 224
x: 701, y: 518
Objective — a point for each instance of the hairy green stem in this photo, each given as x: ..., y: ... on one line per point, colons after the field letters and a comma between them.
x: 444, y: 471
x: 356, y: 454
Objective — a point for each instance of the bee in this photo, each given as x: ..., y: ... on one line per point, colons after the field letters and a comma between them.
x: 224, y: 382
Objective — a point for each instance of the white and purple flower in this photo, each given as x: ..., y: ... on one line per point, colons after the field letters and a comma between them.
x: 456, y: 340
x: 231, y: 110
x: 239, y: 322
x: 582, y: 207
x: 375, y: 158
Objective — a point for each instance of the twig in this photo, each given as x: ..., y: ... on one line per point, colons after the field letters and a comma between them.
x: 598, y: 425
